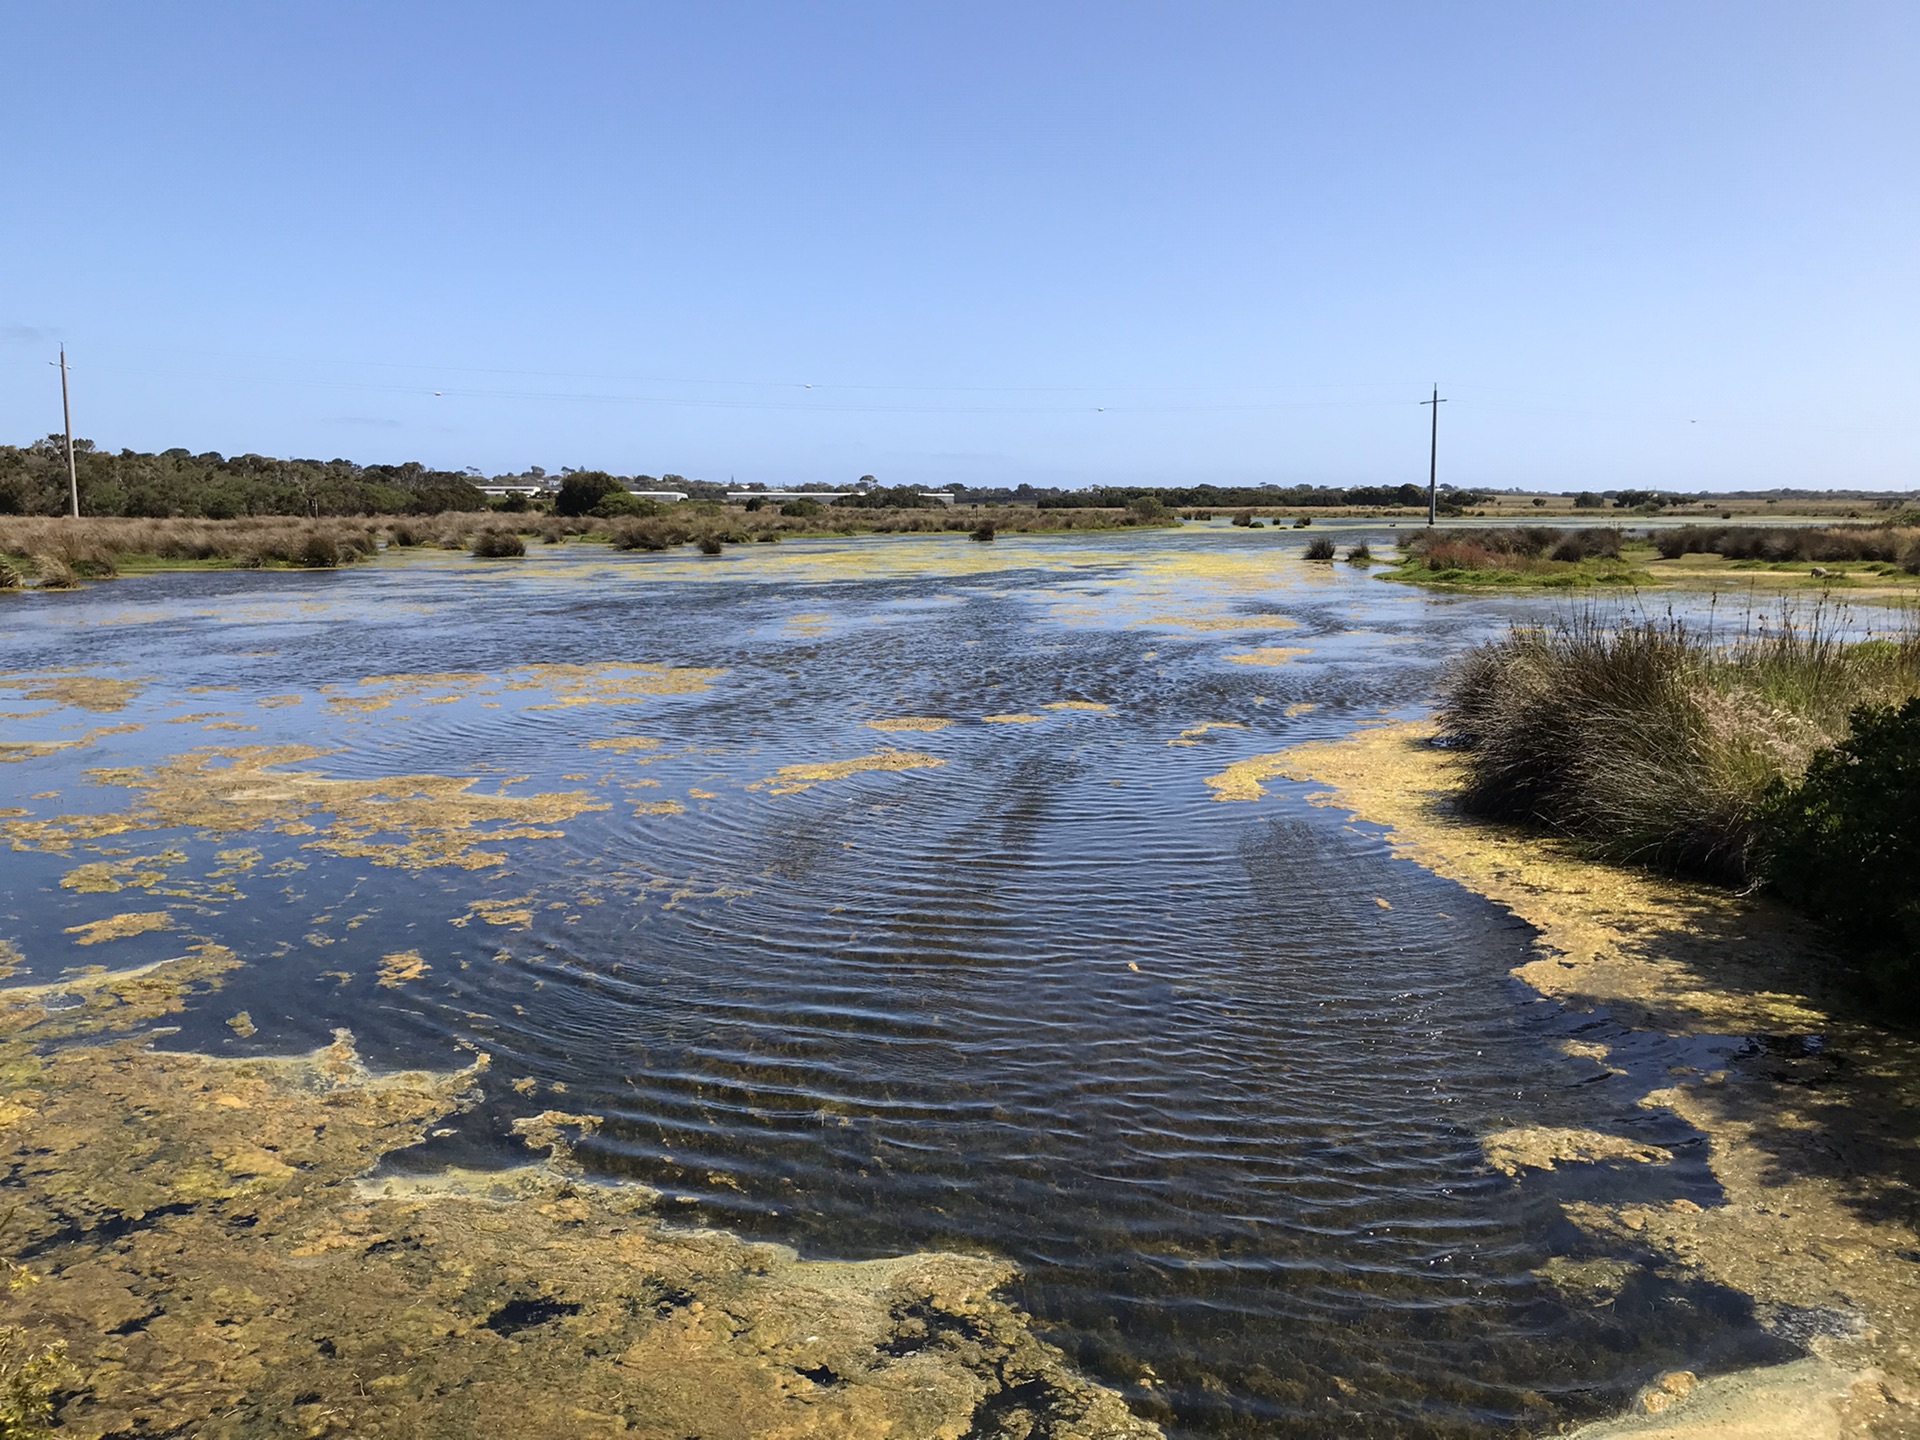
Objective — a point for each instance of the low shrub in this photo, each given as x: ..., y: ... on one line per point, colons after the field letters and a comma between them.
x: 1319, y: 548
x: 982, y: 532
x: 54, y: 573
x: 496, y: 545
x: 1783, y: 544
x: 1303, y: 522
x: 1360, y: 555
x: 802, y: 509
x: 710, y: 544
x: 317, y: 550
x: 1844, y: 845
x: 1654, y: 741
x: 10, y: 578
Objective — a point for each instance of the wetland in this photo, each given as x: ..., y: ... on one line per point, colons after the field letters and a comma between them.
x: 886, y: 985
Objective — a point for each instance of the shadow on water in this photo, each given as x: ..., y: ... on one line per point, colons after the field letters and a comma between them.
x: 1212, y: 1074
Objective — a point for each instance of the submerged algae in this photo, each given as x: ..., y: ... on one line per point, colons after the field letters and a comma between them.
x: 215, y: 1261
x: 791, y: 779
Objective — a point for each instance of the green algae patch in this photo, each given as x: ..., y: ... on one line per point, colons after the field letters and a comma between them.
x: 791, y: 779
x: 215, y: 1255
x: 404, y: 821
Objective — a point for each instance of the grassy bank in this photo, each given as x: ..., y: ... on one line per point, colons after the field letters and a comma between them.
x: 1742, y: 758
x: 57, y: 553
x: 1880, y: 560
x: 1537, y: 556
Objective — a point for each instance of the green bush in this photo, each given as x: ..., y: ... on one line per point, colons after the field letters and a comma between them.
x: 1319, y: 548
x: 581, y: 491
x: 621, y: 502
x: 983, y: 532
x: 1844, y: 844
x: 802, y: 509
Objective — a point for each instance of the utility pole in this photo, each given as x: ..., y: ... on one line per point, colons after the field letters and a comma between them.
x: 66, y: 413
x: 1433, y: 459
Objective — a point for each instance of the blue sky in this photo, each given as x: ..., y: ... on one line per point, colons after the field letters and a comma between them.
x: 1637, y: 244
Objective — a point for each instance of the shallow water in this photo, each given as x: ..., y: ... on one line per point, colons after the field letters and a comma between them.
x: 1212, y: 1073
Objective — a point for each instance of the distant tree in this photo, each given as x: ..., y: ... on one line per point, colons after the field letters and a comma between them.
x: 582, y: 490
x: 1587, y: 500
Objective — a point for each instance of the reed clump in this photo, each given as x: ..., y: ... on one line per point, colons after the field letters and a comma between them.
x: 1319, y: 548
x: 494, y: 544
x: 1654, y: 741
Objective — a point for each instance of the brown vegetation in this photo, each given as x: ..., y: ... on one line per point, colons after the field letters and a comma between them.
x: 1888, y: 544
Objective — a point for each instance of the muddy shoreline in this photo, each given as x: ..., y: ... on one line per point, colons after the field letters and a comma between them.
x: 1811, y: 1141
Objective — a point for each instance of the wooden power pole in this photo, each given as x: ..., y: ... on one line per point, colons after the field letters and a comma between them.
x: 1433, y: 459
x: 66, y: 414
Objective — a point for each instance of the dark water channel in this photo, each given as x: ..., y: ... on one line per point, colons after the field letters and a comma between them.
x: 1213, y: 1074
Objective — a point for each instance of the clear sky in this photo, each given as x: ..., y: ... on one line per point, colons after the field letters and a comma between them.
x: 1667, y: 244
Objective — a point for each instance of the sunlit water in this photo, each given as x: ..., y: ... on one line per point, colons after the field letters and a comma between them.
x: 1211, y: 1073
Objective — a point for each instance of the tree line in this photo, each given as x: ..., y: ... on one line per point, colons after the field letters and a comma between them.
x: 177, y: 482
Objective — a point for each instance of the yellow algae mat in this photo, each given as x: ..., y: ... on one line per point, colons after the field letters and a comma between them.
x: 197, y: 1246
x: 1818, y: 1217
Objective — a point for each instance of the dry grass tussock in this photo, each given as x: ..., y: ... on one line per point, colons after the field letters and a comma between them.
x: 1655, y: 739
x: 1888, y: 544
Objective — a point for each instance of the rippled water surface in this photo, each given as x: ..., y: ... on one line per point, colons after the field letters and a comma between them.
x: 1211, y: 1072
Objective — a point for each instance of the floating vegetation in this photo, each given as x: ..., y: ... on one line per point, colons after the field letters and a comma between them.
x: 659, y: 807
x: 408, y: 821
x: 397, y: 969
x: 76, y: 689
x: 1541, y: 1147
x: 40, y: 749
x: 1191, y: 735
x: 1092, y: 707
x: 625, y: 744
x: 137, y: 872
x: 1243, y: 779
x: 910, y: 722
x: 119, y: 927
x: 1269, y: 655
x: 1016, y: 719
x: 791, y: 779
x: 501, y: 912
x: 1223, y: 622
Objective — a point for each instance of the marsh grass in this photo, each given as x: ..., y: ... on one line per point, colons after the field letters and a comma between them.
x: 1360, y: 555
x: 1654, y: 740
x: 1518, y: 554
x: 1319, y: 548
x: 55, y: 552
x: 492, y: 544
x: 1889, y: 544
